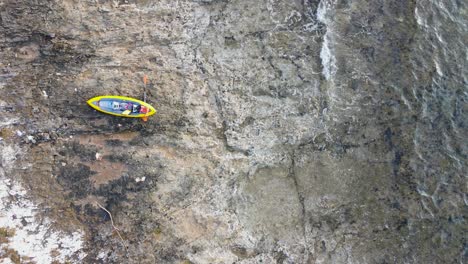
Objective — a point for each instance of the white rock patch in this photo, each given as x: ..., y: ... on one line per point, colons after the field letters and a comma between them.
x: 33, y: 237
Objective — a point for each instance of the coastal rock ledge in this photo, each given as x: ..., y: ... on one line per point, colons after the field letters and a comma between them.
x: 285, y: 132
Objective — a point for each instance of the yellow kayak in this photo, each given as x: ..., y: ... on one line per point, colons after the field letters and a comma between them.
x: 121, y: 106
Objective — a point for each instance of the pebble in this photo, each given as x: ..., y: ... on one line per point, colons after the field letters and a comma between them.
x: 142, y: 179
x: 31, y: 139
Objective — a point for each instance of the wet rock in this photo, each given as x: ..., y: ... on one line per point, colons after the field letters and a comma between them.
x: 75, y: 179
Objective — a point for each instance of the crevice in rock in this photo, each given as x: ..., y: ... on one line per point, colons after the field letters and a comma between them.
x: 224, y: 129
x: 292, y: 174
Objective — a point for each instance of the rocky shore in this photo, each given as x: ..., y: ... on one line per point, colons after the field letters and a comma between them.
x: 286, y: 132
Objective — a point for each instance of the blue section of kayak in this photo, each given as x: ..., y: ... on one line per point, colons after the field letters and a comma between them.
x: 119, y: 106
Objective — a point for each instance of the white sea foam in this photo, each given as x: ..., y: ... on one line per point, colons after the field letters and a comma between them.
x: 438, y: 67
x: 327, y: 52
x: 419, y: 19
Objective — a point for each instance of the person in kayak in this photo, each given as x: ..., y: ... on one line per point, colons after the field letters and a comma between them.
x: 136, y: 108
x: 126, y: 106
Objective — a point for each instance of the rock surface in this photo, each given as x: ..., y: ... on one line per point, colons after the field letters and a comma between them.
x: 286, y: 132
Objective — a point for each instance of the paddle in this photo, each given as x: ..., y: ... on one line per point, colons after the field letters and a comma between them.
x: 145, y: 81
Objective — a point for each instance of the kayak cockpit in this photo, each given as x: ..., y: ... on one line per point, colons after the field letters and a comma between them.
x: 122, y: 106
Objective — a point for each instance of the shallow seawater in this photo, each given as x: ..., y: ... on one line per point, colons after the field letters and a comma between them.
x: 416, y: 72
x: 440, y: 146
